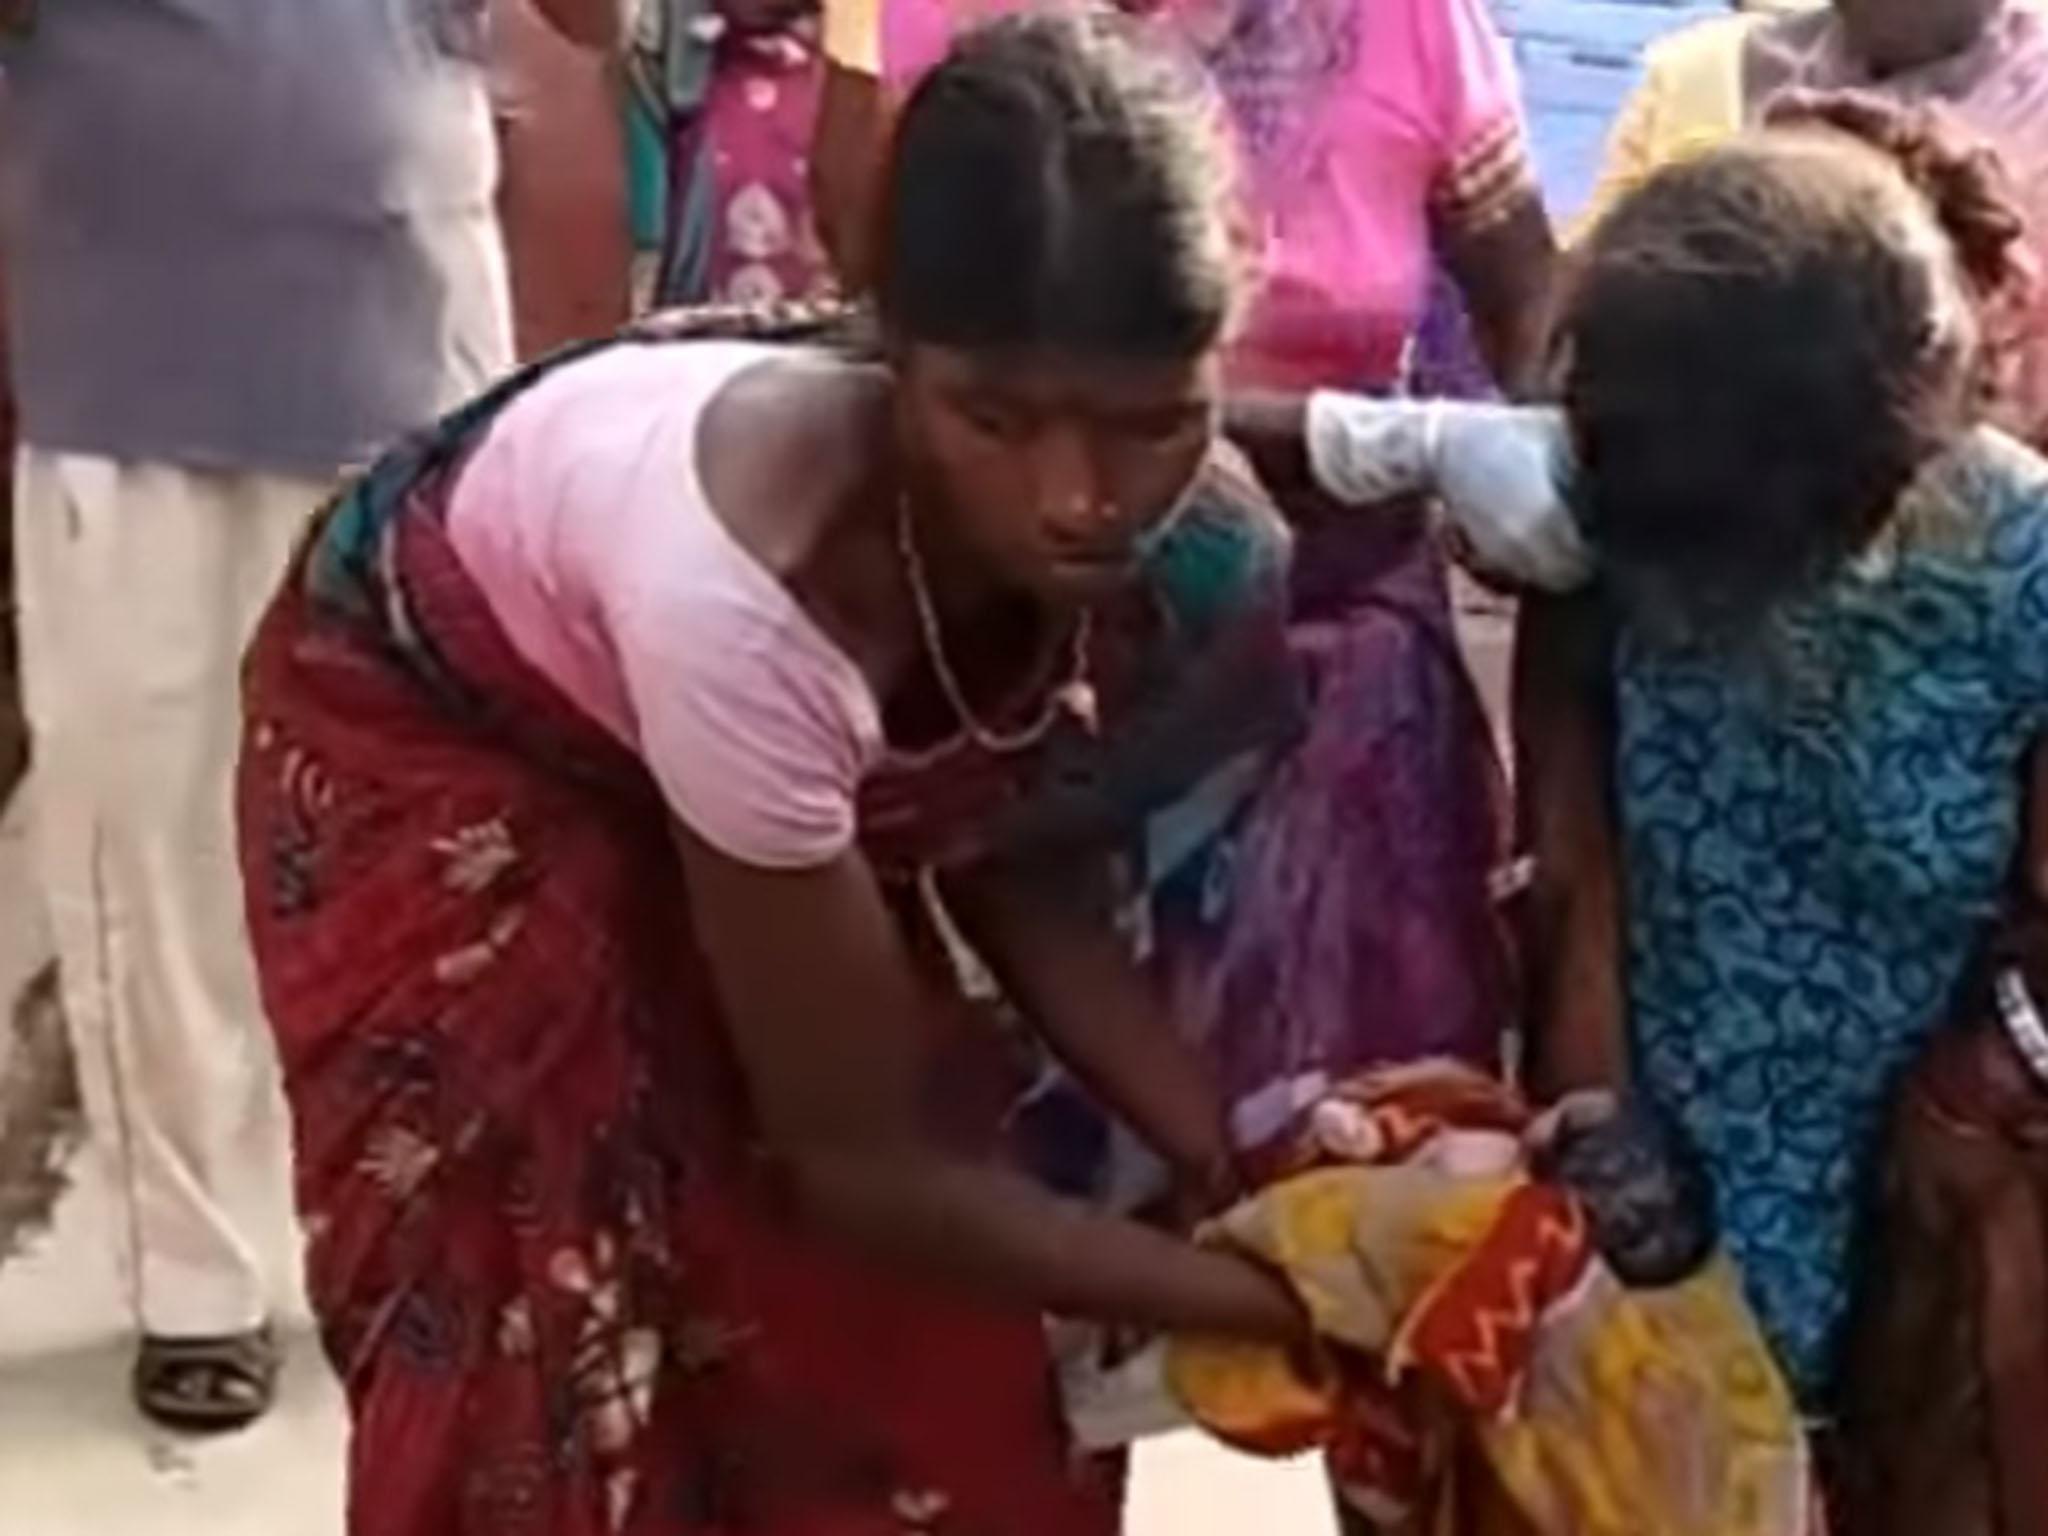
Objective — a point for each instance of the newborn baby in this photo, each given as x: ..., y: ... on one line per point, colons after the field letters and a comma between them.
x: 1645, y: 1194
x: 1545, y: 1287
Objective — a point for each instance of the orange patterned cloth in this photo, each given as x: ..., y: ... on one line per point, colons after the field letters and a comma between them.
x: 1484, y: 1373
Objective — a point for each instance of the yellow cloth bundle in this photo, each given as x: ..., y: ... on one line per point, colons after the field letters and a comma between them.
x: 1485, y: 1372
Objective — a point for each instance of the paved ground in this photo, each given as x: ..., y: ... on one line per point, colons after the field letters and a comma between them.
x: 76, y: 1461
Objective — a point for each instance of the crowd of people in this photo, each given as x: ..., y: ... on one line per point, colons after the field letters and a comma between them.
x: 773, y: 845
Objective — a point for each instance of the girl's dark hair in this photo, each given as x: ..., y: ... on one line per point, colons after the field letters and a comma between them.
x: 1765, y: 343
x: 1057, y: 186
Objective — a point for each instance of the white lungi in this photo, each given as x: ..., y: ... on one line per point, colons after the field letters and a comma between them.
x: 139, y: 585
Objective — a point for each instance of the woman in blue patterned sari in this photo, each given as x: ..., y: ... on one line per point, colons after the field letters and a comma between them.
x: 1821, y: 667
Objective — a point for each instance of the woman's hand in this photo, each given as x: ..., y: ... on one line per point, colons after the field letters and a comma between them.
x: 1050, y: 937
x: 1500, y: 471
x: 832, y: 1031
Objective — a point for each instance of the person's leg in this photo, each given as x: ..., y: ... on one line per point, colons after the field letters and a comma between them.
x: 139, y: 583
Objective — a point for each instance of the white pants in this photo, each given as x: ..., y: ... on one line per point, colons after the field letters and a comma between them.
x: 139, y: 585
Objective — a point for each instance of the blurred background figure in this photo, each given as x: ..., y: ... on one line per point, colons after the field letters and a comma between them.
x: 562, y: 190
x: 735, y: 86
x: 1778, y: 800
x: 1981, y: 63
x: 242, y: 257
x: 646, y: 115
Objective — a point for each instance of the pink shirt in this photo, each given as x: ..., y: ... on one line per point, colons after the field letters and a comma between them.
x: 582, y: 519
x: 1360, y: 121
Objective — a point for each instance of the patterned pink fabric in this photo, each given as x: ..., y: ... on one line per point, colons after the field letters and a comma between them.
x: 758, y: 118
x: 1359, y: 123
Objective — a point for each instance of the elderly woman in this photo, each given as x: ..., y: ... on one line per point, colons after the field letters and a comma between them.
x: 1825, y: 595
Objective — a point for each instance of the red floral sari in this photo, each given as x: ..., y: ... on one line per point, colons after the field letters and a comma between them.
x: 558, y: 1274
x: 560, y: 1278
x: 561, y: 1285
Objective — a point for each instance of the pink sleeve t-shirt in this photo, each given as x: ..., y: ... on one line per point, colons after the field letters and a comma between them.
x: 583, y: 521
x: 1362, y: 126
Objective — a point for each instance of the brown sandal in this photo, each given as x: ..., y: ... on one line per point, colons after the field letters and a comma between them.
x: 207, y: 1386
